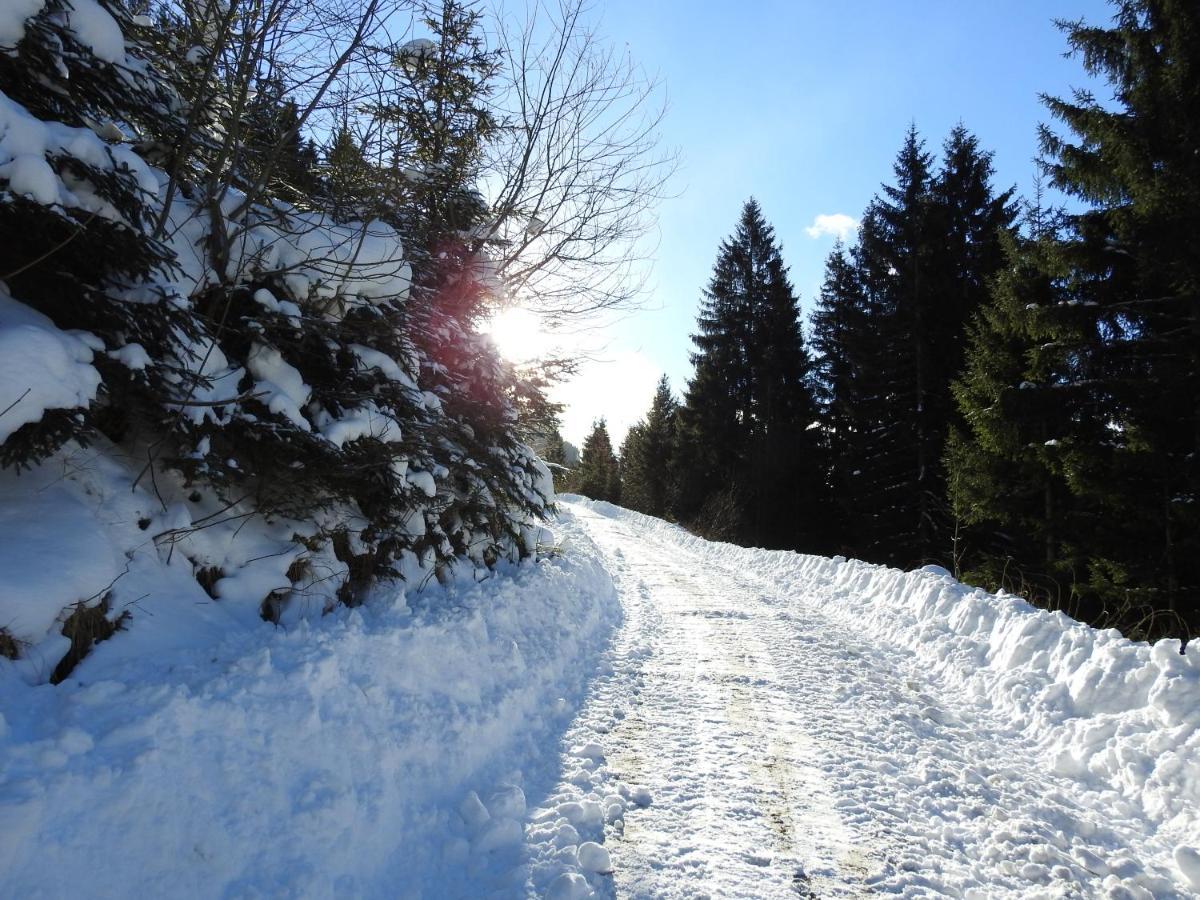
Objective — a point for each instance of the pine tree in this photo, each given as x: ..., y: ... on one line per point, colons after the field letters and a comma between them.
x: 744, y: 426
x: 647, y: 455
x: 1132, y: 369
x: 598, y: 474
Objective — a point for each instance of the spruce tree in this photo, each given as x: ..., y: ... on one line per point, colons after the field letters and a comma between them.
x: 891, y: 331
x: 1127, y: 361
x: 442, y: 122
x: 275, y: 152
x: 633, y: 491
x: 888, y: 501
x: 598, y: 474
x: 350, y: 184
x: 1005, y: 469
x: 614, y: 490
x: 647, y: 455
x: 745, y: 441
x: 843, y: 336
x: 73, y: 241
x: 554, y: 449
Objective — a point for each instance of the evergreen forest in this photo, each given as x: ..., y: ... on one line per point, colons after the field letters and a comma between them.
x: 997, y: 385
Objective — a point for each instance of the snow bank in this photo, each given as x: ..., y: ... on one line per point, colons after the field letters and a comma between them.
x: 1121, y: 715
x: 204, y: 752
x: 51, y: 556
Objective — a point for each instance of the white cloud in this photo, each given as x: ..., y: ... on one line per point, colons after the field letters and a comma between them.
x: 839, y: 224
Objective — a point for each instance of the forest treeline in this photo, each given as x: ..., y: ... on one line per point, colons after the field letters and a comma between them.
x: 1008, y: 389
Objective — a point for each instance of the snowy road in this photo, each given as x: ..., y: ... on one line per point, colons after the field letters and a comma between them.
x: 787, y: 754
x: 645, y: 714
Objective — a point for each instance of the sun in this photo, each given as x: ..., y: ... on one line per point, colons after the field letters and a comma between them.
x: 518, y: 335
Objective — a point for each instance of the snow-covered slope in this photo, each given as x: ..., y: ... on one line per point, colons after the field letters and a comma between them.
x: 205, y: 752
x: 644, y: 713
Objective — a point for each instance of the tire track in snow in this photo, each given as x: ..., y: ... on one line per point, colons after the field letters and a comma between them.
x: 790, y: 756
x: 739, y: 808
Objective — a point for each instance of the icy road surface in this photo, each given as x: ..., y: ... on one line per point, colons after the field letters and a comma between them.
x: 777, y: 753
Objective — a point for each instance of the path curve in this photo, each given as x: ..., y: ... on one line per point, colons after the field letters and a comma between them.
x: 781, y: 756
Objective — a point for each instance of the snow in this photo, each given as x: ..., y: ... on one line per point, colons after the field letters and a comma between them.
x: 422, y: 481
x: 374, y: 359
x: 413, y: 50
x: 32, y: 177
x: 418, y: 47
x: 366, y: 420
x: 1188, y: 861
x: 97, y: 30
x: 645, y: 713
x: 324, y: 267
x: 41, y: 367
x: 280, y: 386
x: 472, y: 810
x: 594, y: 858
x: 13, y: 15
x: 52, y: 556
x: 132, y: 356
x: 266, y: 299
x: 569, y: 886
x: 211, y: 379
x: 202, y: 751
x: 833, y: 727
x: 27, y: 143
x: 324, y: 259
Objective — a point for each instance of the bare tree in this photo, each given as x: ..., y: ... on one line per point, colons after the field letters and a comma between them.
x: 232, y: 53
x: 577, y: 171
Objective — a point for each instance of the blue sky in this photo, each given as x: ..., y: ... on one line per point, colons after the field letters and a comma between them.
x: 804, y: 106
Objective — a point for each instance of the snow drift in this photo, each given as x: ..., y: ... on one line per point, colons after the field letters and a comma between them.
x: 204, y: 752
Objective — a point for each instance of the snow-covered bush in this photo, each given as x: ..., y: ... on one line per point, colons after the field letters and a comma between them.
x: 75, y: 208
x: 254, y: 358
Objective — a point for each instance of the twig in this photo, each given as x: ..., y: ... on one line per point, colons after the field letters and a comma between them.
x: 33, y: 262
x: 15, y: 402
x: 225, y: 402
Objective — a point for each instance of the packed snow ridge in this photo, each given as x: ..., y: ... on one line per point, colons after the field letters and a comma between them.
x: 637, y: 713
